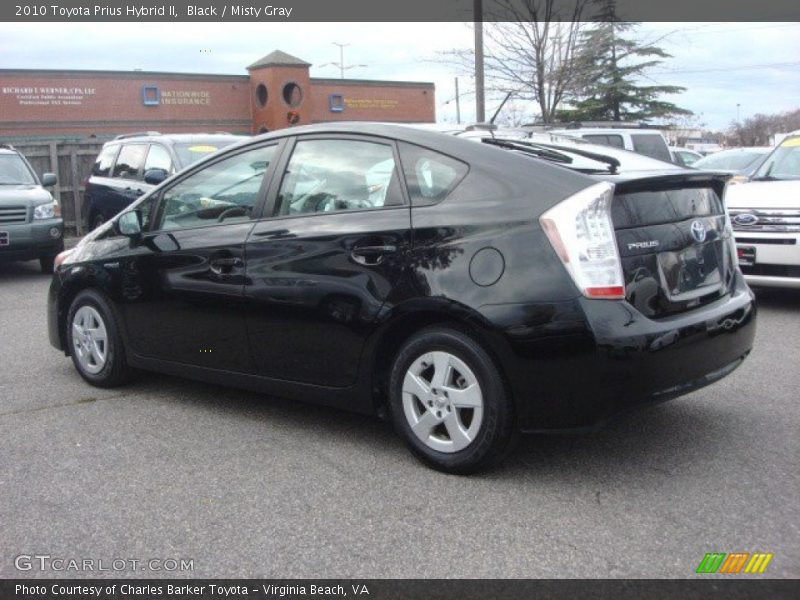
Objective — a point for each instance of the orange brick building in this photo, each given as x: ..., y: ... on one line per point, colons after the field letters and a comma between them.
x: 277, y: 92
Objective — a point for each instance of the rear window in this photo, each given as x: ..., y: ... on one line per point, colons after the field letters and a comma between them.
x: 102, y: 166
x: 605, y: 139
x: 190, y: 153
x: 651, y: 144
x: 130, y: 162
x: 430, y: 176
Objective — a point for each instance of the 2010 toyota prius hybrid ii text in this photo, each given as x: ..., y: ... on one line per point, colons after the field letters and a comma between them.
x: 465, y: 290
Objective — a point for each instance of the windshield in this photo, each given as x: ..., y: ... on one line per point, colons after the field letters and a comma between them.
x: 735, y: 160
x: 191, y: 152
x: 783, y: 163
x: 13, y: 170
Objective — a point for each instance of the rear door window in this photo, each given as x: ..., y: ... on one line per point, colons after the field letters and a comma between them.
x: 102, y: 166
x: 651, y: 144
x: 130, y: 162
x: 158, y: 158
x: 339, y: 174
x: 430, y: 176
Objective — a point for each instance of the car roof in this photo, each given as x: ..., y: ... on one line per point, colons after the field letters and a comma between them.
x: 601, y: 130
x: 178, y: 138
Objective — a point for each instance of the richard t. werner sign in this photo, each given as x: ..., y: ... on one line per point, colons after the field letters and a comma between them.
x: 48, y: 95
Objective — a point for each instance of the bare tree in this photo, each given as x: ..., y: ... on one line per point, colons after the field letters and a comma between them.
x: 531, y: 49
x: 759, y: 129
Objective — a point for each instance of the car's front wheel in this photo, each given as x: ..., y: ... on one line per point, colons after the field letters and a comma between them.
x: 450, y: 403
x: 95, y: 342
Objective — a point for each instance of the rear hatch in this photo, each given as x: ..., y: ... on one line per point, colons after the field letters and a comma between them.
x: 673, y: 241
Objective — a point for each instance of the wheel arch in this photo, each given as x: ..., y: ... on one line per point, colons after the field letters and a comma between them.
x: 71, y: 286
x: 406, y: 320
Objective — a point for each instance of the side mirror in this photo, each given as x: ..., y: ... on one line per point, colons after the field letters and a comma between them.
x: 155, y: 176
x: 49, y: 179
x: 129, y: 224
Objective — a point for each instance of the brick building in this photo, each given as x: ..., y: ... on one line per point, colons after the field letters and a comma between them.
x: 277, y: 92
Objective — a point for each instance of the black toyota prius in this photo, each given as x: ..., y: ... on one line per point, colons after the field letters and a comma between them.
x: 468, y: 291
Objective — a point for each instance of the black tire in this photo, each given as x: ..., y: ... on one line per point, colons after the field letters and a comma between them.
x: 116, y: 370
x: 497, y: 433
x: 47, y: 263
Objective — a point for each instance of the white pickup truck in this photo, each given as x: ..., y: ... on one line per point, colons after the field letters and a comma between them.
x: 765, y: 215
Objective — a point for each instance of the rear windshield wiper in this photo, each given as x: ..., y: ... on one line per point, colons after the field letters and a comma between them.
x: 551, y: 152
x: 527, y: 148
x: 613, y: 163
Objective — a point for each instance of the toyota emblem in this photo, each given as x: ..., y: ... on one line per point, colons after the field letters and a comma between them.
x: 699, y: 232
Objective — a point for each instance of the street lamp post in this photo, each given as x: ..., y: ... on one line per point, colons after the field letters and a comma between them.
x: 341, y: 57
x: 480, y: 104
x: 340, y: 65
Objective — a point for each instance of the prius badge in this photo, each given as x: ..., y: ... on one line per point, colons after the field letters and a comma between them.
x: 643, y: 245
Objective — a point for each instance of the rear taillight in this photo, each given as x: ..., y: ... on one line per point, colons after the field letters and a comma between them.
x: 582, y: 234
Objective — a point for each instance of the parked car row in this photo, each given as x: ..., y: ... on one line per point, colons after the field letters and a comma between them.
x: 468, y: 290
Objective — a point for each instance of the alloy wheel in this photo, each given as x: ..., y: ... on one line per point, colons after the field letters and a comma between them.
x: 442, y: 401
x: 90, y: 339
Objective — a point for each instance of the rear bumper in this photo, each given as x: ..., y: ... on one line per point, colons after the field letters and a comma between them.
x: 604, y: 358
x: 32, y: 240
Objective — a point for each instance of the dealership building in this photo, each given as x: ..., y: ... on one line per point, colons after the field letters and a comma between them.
x: 277, y: 92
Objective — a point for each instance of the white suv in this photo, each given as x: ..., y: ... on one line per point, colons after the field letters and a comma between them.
x: 765, y: 215
x: 649, y: 142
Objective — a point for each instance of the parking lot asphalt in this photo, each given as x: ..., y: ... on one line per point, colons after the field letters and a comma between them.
x: 251, y: 486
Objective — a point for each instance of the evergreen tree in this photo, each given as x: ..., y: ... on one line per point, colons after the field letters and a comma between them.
x: 614, y: 63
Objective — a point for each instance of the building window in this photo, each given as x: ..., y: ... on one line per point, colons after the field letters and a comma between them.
x: 292, y: 94
x: 336, y: 103
x: 261, y: 95
x: 151, y: 95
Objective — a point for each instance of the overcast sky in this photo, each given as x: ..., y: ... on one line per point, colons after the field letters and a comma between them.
x: 755, y: 65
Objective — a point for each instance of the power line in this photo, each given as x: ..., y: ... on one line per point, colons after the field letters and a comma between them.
x: 699, y: 29
x: 725, y: 69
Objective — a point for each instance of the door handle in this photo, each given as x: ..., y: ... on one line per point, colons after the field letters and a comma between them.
x: 371, y: 255
x: 223, y: 266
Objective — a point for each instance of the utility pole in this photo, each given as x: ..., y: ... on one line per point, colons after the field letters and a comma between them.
x: 341, y: 58
x: 458, y: 104
x: 738, y: 106
x: 480, y: 108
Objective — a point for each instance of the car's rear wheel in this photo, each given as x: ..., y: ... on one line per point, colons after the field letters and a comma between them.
x: 95, y: 342
x: 47, y: 263
x: 450, y: 403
